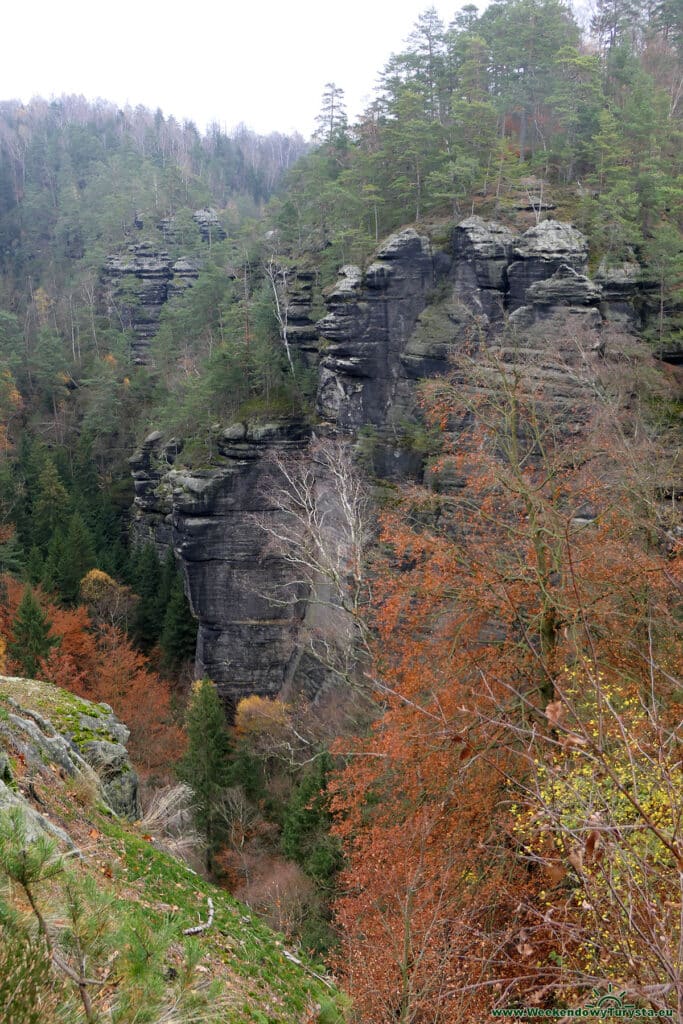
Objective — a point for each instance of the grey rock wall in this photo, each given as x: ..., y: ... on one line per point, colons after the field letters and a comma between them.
x: 385, y: 328
x: 135, y: 288
x: 83, y: 739
x: 369, y: 321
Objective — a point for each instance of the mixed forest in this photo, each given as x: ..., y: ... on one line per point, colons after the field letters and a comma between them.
x: 488, y: 814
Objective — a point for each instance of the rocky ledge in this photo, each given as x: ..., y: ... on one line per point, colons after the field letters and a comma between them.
x: 44, y: 730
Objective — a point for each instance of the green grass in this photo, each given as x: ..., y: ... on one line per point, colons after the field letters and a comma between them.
x: 255, y: 982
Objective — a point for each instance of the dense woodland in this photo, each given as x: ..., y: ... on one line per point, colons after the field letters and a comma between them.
x: 493, y: 818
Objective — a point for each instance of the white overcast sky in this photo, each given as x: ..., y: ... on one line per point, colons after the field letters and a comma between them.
x: 255, y: 61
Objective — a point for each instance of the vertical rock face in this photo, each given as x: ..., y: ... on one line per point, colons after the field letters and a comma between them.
x: 482, y: 251
x: 136, y: 286
x: 540, y: 252
x: 246, y: 638
x: 384, y: 329
x: 150, y: 466
x: 370, y: 318
x: 623, y: 290
x: 301, y: 327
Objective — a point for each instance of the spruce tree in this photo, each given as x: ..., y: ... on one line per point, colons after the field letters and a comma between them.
x: 50, y: 576
x: 70, y: 556
x: 80, y: 549
x: 31, y: 629
x: 35, y: 565
x: 205, y: 766
x: 306, y: 825
x: 51, y: 505
x: 168, y: 579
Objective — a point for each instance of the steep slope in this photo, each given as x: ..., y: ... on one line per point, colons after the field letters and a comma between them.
x: 238, y: 970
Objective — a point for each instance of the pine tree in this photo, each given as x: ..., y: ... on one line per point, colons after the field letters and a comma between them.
x: 331, y: 120
x: 31, y: 629
x: 205, y: 766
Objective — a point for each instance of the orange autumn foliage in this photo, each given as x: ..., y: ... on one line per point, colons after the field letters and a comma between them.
x: 485, y: 597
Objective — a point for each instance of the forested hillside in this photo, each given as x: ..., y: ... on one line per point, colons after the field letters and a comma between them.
x: 381, y: 432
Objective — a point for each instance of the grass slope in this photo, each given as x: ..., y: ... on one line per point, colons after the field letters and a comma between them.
x: 254, y: 978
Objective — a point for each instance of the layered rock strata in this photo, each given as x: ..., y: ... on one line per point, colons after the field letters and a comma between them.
x: 247, y: 604
x: 528, y: 299
x: 135, y: 288
x: 369, y: 321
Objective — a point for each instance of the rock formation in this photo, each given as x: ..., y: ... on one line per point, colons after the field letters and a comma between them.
x: 385, y: 328
x: 136, y: 287
x: 540, y: 252
x: 85, y: 742
x: 370, y: 318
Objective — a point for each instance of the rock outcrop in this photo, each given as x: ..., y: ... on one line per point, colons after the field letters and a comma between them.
x: 150, y: 466
x: 42, y: 725
x: 540, y: 252
x: 528, y: 299
x: 245, y: 639
x: 302, y: 331
x: 209, y: 225
x: 369, y: 321
x: 136, y: 287
x: 482, y: 253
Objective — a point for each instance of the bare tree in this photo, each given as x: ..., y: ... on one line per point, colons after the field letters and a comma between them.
x: 319, y: 527
x: 276, y: 272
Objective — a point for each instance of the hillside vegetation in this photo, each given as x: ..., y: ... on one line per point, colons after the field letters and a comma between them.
x: 483, y: 811
x: 88, y: 895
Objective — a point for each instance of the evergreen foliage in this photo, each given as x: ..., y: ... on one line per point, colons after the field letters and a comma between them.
x: 149, y: 612
x: 31, y: 640
x: 205, y: 766
x: 306, y: 826
x: 71, y: 554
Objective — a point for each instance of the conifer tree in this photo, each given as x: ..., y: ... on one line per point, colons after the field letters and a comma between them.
x: 51, y: 505
x: 306, y: 826
x: 50, y: 574
x: 331, y: 120
x: 31, y: 629
x: 78, y: 557
x: 35, y: 565
x: 205, y: 766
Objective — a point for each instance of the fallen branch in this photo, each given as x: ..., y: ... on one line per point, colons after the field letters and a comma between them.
x: 207, y: 924
x: 295, y: 960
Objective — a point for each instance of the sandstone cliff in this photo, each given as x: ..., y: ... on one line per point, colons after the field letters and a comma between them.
x: 528, y: 298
